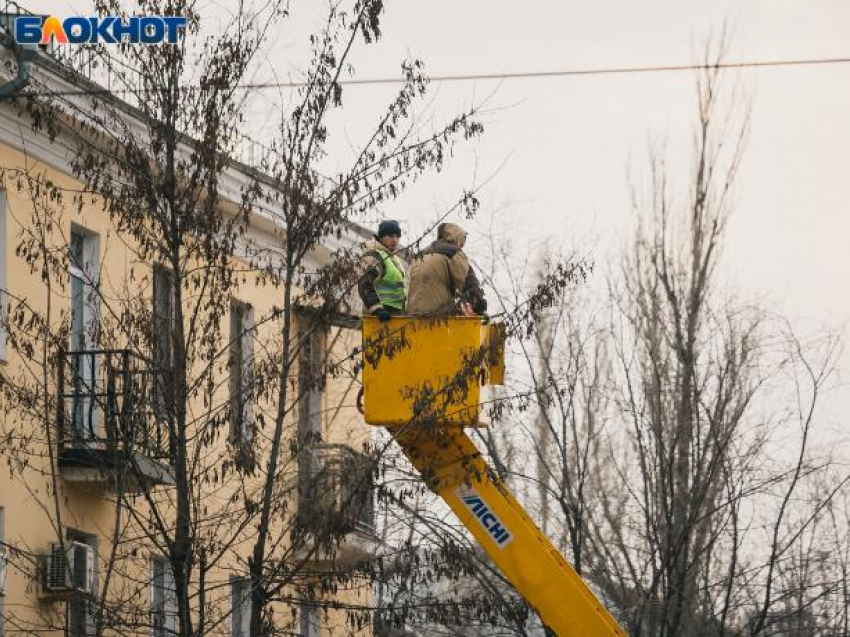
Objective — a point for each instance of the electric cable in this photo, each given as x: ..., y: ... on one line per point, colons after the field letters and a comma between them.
x: 475, y: 77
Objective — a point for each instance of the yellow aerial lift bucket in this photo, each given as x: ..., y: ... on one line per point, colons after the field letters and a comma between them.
x: 428, y: 369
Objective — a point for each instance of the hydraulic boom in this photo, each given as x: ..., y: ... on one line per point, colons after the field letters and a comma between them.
x: 408, y: 360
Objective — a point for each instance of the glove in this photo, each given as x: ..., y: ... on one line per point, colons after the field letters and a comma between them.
x: 382, y: 314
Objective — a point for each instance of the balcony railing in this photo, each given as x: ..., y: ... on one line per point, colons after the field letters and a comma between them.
x: 337, y: 491
x: 107, y: 412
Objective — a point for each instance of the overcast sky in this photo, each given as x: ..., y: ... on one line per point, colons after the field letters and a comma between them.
x: 562, y: 148
x: 559, y: 150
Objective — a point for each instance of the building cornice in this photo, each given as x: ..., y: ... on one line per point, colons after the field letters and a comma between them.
x: 267, y: 227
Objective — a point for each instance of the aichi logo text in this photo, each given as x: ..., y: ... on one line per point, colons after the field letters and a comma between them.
x: 491, y: 523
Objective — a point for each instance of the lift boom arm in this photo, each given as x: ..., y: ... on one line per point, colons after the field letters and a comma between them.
x: 455, y: 470
x: 408, y: 353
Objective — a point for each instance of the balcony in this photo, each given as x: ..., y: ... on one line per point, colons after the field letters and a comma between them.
x: 336, y: 511
x: 110, y: 434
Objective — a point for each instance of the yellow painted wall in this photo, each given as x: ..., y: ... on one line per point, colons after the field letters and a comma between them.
x: 26, y: 492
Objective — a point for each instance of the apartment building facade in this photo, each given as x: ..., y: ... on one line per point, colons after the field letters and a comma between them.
x: 87, y: 497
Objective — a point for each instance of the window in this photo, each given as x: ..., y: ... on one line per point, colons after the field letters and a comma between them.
x: 2, y: 283
x: 83, y: 270
x: 81, y: 609
x: 83, y: 273
x: 311, y: 360
x: 240, y: 606
x: 4, y: 566
x: 310, y: 626
x: 241, y: 365
x: 163, y: 315
x: 163, y: 598
x: 162, y: 343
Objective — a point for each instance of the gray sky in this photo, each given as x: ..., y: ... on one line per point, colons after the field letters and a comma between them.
x: 562, y: 148
x: 565, y: 145
x: 559, y: 150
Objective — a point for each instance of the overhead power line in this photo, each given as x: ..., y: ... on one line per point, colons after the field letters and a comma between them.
x: 571, y: 72
x: 474, y: 77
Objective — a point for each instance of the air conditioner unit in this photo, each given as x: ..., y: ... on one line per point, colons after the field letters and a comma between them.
x: 71, y: 569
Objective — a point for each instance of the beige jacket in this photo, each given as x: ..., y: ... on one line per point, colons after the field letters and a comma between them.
x: 440, y: 276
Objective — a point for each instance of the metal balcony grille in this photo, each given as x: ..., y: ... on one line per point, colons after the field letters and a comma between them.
x: 107, y: 402
x: 337, y: 491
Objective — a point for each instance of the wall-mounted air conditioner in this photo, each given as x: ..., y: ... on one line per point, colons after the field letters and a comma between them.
x: 69, y: 569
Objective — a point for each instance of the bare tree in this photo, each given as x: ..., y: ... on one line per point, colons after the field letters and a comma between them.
x: 658, y: 412
x: 159, y: 167
x: 153, y: 162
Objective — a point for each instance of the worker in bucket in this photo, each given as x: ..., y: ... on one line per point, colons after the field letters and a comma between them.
x: 442, y: 282
x: 381, y: 285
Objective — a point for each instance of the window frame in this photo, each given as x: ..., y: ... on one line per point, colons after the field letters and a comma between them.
x: 161, y: 603
x: 240, y: 598
x: 240, y: 366
x: 85, y: 268
x: 6, y: 550
x: 83, y: 282
x: 163, y: 321
x: 3, y: 289
x: 309, y: 621
x: 312, y: 358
